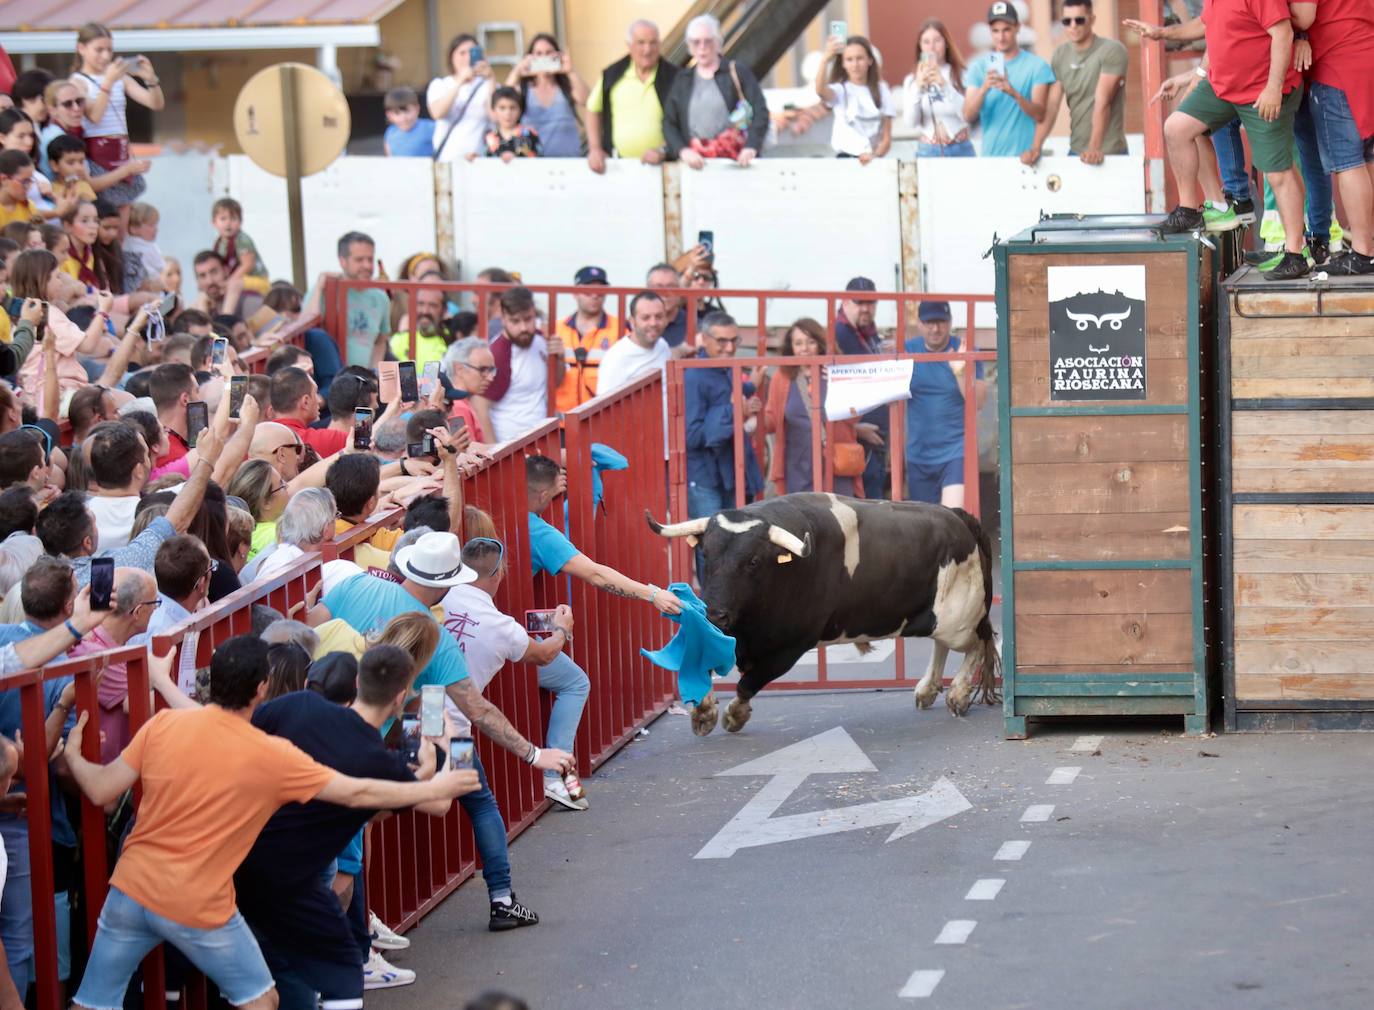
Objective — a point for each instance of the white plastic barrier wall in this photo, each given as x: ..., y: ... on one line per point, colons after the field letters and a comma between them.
x: 183, y: 188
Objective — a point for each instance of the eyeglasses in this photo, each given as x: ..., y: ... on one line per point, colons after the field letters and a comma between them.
x: 727, y: 341
x: 1072, y: 21
x: 148, y: 603
x: 214, y: 567
x: 480, y: 369
x: 296, y: 447
x: 709, y: 278
x: 280, y: 487
x: 697, y: 43
x: 72, y: 103
x: 47, y: 439
x: 500, y: 550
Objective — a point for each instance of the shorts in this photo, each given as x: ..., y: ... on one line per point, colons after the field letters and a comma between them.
x: 925, y: 481
x: 1271, y: 144
x: 1338, y: 138
x: 228, y: 955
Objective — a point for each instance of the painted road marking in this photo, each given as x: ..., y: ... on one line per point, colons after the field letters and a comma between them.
x: 845, y: 655
x: 1063, y: 776
x: 985, y: 889
x: 829, y: 752
x: 1012, y: 850
x: 1086, y: 744
x: 956, y: 931
x: 1037, y: 812
x: 922, y: 983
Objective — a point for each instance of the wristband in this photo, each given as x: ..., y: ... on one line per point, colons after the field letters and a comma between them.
x: 1201, y: 72
x: 653, y: 591
x: 404, y: 472
x: 533, y: 756
x: 71, y: 630
x: 1300, y: 36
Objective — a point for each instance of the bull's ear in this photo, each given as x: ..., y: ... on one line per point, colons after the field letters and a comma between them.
x: 692, y: 541
x: 784, y: 558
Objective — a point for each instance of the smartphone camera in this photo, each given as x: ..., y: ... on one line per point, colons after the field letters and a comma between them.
x: 362, y: 428
x: 410, y: 736
x: 460, y: 753
x: 238, y: 389
x: 102, y: 583
x: 197, y: 420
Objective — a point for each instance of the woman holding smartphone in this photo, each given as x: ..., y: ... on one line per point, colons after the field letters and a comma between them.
x: 459, y: 101
x: 933, y: 95
x: 848, y: 82
x: 552, y: 91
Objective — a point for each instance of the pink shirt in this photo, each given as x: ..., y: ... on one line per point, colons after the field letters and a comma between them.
x: 111, y: 694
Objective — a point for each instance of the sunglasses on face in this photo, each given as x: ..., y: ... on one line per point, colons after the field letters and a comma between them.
x: 72, y: 103
x: 1066, y: 22
x: 294, y: 446
x: 500, y: 549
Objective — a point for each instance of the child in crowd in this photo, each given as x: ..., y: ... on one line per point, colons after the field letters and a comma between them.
x: 108, y: 250
x: 238, y: 251
x: 71, y: 171
x: 17, y: 134
x: 9, y: 251
x: 82, y: 224
x: 16, y: 173
x: 26, y: 234
x: 55, y: 241
x: 408, y: 136
x: 141, y: 253
x: 848, y: 81
x: 509, y: 138
x: 171, y: 274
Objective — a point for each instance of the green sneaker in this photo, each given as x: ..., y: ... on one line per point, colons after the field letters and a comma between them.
x: 1267, y: 261
x: 1219, y: 220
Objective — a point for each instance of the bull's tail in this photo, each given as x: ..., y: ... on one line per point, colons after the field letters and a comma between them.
x: 990, y: 665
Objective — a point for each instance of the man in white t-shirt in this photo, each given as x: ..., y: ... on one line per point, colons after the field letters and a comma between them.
x: 642, y: 351
x: 490, y: 639
x: 518, y: 397
x: 117, y: 461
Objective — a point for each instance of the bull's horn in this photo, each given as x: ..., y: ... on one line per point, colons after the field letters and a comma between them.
x: 691, y: 528
x: 789, y: 541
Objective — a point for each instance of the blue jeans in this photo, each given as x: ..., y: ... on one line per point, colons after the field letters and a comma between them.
x: 1318, y: 181
x: 490, y: 830
x: 1231, y: 160
x: 16, y: 905
x: 1342, y: 148
x: 228, y: 955
x: 325, y: 354
x: 570, y: 688
x: 705, y: 501
x: 963, y: 149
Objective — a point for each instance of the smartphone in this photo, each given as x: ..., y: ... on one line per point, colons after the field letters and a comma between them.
x: 429, y: 378
x: 546, y: 64
x: 432, y: 710
x: 362, y: 427
x: 238, y: 389
x: 102, y: 582
x: 476, y: 55
x: 197, y: 420
x: 14, y: 306
x: 410, y: 389
x: 168, y: 305
x: 839, y: 29
x: 219, y: 352
x: 540, y: 622
x: 927, y: 57
x: 997, y: 62
x: 707, y: 239
x: 460, y: 752
x: 410, y: 737
x: 414, y: 450
x: 388, y: 381
x: 427, y: 446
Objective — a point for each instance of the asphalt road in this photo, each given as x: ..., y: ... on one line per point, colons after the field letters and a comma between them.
x: 1160, y: 872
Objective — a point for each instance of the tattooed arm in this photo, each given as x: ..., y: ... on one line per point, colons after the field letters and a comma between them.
x: 617, y: 584
x: 497, y: 728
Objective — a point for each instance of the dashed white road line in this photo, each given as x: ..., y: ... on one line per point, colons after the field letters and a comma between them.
x: 1037, y: 812
x: 985, y: 889
x: 922, y: 983
x: 1012, y: 850
x: 956, y: 931
x: 1086, y: 744
x: 1063, y: 776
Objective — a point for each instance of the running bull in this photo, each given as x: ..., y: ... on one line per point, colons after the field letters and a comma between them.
x: 790, y: 573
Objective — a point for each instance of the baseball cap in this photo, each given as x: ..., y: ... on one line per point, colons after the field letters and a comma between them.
x: 860, y: 284
x: 590, y: 275
x: 931, y: 312
x: 1003, y: 10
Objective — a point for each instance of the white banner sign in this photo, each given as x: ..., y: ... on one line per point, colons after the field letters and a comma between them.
x: 854, y: 390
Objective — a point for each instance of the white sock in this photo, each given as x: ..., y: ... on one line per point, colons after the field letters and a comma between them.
x: 503, y: 900
x: 1220, y: 206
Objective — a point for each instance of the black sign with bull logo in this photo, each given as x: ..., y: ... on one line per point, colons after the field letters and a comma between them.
x: 1097, y: 333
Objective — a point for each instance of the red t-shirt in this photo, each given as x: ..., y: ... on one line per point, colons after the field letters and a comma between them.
x: 325, y: 441
x: 176, y: 448
x: 461, y: 409
x: 1342, y: 40
x: 1238, y: 47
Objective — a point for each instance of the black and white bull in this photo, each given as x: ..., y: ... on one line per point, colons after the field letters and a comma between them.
x: 790, y: 573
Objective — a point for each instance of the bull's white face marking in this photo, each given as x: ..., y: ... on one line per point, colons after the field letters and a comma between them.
x: 849, y: 525
x: 959, y: 603
x: 734, y: 527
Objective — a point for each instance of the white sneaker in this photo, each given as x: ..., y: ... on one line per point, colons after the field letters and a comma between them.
x: 377, y: 974
x: 384, y: 938
x: 555, y: 790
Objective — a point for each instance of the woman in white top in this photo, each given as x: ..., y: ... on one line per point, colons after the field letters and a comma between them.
x: 933, y: 95
x: 459, y: 101
x: 848, y: 82
x: 109, y: 83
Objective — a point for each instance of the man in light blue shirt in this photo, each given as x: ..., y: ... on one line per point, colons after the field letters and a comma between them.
x: 1008, y: 89
x: 183, y: 569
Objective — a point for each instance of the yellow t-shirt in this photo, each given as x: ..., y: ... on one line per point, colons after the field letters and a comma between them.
x: 6, y: 329
x: 427, y: 349
x: 636, y: 115
x: 83, y: 189
x: 26, y: 211
x: 338, y: 635
x: 376, y: 552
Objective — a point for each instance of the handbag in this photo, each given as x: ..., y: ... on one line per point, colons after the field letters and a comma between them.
x: 847, y: 458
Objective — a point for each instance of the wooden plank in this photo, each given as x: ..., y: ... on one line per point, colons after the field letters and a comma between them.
x: 1166, y: 382
x: 1289, y: 658
x: 1306, y: 479
x: 1266, y: 423
x: 1335, y: 386
x: 1317, y: 363
x: 1141, y: 671
x: 1317, y: 687
x: 1257, y: 307
x: 1303, y: 624
x: 1044, y: 640
x: 1104, y: 706
x: 1060, y: 488
x: 1105, y: 592
x: 1303, y: 556
x: 1105, y: 537
x: 1302, y: 522
x: 1289, y: 348
x: 1303, y: 450
x: 1292, y: 589
x: 1099, y: 439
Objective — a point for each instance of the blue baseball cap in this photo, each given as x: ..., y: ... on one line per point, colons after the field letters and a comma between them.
x: 934, y: 312
x: 590, y: 275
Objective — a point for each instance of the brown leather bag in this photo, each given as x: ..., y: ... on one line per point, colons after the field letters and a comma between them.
x: 847, y: 458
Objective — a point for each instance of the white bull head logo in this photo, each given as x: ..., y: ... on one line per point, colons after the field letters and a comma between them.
x: 1115, y: 319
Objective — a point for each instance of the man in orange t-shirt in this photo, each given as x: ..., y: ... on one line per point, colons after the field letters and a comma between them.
x: 210, y: 782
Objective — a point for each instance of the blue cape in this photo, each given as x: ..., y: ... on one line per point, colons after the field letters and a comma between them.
x: 697, y: 650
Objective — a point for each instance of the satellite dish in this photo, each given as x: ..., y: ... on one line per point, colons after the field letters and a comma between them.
x: 317, y: 118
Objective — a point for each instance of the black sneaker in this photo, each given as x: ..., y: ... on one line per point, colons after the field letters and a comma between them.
x: 1319, y: 248
x: 511, y: 916
x: 1351, y: 264
x: 1245, y: 210
x: 1182, y: 219
x: 1290, y: 268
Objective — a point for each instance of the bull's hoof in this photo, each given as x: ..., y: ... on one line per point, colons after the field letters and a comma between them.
x: 958, y: 701
x: 927, y: 698
x: 704, y: 716
x: 737, y: 713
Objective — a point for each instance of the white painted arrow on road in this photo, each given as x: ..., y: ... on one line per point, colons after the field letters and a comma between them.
x: 831, y: 752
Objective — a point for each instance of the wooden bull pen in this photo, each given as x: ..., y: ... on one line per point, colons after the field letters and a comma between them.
x: 1296, y: 369
x: 1104, y: 548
